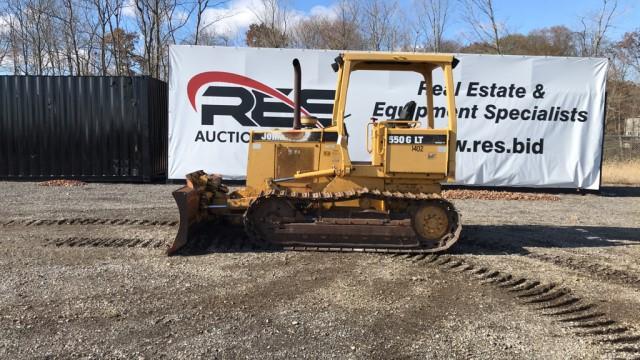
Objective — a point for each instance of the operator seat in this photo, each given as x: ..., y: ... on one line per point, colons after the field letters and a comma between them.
x: 406, y: 114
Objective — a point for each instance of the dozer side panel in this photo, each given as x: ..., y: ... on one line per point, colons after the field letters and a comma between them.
x: 281, y: 154
x: 413, y: 186
x: 418, y: 151
x: 329, y: 156
x: 291, y: 158
x: 261, y: 164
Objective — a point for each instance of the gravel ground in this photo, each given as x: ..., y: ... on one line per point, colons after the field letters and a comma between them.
x: 107, y: 291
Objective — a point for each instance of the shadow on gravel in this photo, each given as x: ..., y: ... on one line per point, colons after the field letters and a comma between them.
x: 514, y: 239
x: 476, y: 239
x: 620, y: 191
x: 220, y: 239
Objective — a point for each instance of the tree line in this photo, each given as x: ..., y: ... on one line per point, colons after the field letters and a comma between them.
x: 131, y: 37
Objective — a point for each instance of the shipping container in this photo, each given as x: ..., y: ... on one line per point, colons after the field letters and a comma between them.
x: 94, y: 128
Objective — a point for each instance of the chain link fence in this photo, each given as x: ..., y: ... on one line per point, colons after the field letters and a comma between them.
x: 621, y: 148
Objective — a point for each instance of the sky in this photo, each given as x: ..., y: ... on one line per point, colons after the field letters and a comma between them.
x: 518, y: 15
x: 525, y: 15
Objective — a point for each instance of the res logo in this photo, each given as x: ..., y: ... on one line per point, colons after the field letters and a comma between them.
x: 256, y: 105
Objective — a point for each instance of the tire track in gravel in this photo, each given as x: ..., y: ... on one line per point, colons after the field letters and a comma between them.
x: 571, y: 311
x: 98, y: 241
x: 561, y: 257
x: 566, y: 258
x: 581, y: 317
x: 106, y: 242
x: 87, y: 221
x: 575, y: 313
x: 598, y: 270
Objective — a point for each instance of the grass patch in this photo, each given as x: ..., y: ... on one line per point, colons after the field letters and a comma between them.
x: 621, y: 172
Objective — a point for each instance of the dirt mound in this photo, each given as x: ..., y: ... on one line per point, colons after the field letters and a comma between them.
x: 497, y: 195
x: 61, y: 182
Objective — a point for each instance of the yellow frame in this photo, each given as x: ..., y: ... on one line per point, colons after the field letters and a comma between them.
x: 399, y: 61
x: 420, y: 63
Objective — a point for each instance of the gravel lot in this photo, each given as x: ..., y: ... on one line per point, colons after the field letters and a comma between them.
x: 107, y: 291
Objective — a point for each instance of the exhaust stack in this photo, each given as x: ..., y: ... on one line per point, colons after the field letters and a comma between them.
x: 297, y: 81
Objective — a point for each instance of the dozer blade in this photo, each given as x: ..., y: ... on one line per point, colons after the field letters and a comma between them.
x: 188, y: 201
x: 201, y: 187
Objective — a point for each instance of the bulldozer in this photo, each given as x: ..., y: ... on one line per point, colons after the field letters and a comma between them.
x: 303, y: 191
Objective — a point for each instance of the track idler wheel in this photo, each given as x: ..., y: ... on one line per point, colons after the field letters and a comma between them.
x: 434, y: 221
x: 267, y: 215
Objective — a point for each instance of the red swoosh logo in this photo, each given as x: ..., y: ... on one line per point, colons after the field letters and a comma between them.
x: 199, y: 80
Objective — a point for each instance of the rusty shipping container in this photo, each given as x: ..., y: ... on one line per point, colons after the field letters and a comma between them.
x: 95, y: 128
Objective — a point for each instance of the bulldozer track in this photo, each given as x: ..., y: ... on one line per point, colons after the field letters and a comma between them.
x: 106, y: 242
x: 581, y: 317
x: 87, y: 221
x: 444, y: 243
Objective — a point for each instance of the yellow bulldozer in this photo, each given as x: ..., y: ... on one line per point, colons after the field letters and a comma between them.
x: 303, y: 191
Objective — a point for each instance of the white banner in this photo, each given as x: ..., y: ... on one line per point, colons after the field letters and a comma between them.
x: 522, y: 120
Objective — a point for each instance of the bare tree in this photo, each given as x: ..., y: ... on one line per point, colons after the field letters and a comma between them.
x: 34, y: 37
x: 121, y: 47
x: 103, y: 12
x: 204, y: 28
x: 70, y: 27
x: 17, y: 35
x: 84, y: 37
x: 378, y: 25
x: 118, y: 40
x: 4, y: 48
x: 622, y: 94
x: 310, y: 34
x: 335, y: 31
x: 203, y: 24
x: 554, y: 41
x: 5, y: 38
x: 159, y: 22
x: 271, y: 27
x: 150, y: 22
x: 201, y: 6
x: 480, y: 16
x: 345, y: 28
x: 595, y: 26
x: 628, y: 50
x: 36, y: 31
x: 70, y: 31
x: 431, y: 22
